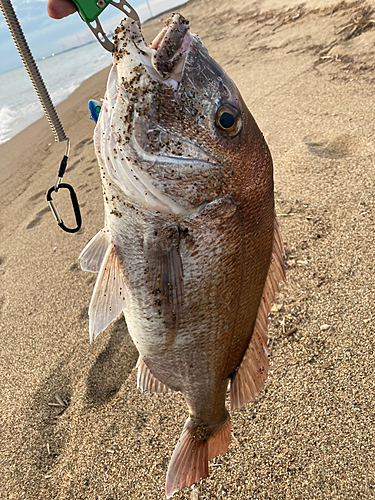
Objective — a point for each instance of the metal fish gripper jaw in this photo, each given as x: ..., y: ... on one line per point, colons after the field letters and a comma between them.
x: 89, y: 10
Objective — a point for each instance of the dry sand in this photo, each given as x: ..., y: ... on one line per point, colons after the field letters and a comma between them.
x: 307, y: 74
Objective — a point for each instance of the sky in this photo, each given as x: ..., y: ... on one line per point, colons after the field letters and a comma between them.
x: 46, y: 36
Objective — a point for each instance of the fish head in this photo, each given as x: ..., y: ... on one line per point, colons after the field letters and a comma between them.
x: 175, y: 132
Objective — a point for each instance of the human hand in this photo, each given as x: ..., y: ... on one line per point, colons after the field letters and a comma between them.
x: 57, y: 9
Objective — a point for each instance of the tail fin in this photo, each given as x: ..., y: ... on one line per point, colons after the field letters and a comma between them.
x: 189, y: 462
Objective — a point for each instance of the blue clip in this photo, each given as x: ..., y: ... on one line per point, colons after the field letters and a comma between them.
x: 94, y: 108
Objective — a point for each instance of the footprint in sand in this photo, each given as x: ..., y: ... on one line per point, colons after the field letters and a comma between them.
x: 3, y: 304
x: 92, y: 279
x: 80, y: 145
x: 89, y: 171
x: 84, y: 314
x: 342, y: 146
x: 113, y: 365
x: 46, y: 434
x: 74, y: 267
x: 74, y: 165
x: 38, y: 218
x: 2, y: 267
x: 37, y: 196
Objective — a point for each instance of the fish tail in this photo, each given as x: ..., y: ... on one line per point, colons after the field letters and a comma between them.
x: 196, y: 446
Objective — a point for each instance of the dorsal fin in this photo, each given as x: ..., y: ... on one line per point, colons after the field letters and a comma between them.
x: 108, y: 298
x: 91, y: 257
x: 147, y: 382
x: 248, y: 380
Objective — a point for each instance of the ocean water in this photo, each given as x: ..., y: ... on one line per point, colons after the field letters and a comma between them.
x: 62, y: 74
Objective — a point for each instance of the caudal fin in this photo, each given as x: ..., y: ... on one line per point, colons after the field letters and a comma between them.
x: 189, y: 462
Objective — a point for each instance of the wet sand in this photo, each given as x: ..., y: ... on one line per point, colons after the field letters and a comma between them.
x: 73, y: 425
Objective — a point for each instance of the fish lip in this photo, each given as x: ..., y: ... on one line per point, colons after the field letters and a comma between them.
x: 164, y: 59
x: 169, y: 44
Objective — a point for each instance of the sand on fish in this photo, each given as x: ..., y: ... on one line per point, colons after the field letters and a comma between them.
x: 72, y: 423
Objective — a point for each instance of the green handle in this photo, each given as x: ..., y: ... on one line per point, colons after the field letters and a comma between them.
x: 90, y: 9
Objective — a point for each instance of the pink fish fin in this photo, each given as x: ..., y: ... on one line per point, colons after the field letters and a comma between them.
x: 108, y: 298
x: 248, y: 380
x: 147, y: 382
x: 189, y: 462
x: 165, y: 275
x: 218, y: 444
x: 92, y: 255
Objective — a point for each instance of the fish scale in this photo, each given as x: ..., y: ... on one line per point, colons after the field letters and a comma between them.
x: 190, y: 252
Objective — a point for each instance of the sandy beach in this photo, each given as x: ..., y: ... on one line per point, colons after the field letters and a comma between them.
x: 73, y: 424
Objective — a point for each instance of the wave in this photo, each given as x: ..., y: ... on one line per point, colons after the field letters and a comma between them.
x: 7, y: 117
x: 62, y: 74
x: 15, y: 118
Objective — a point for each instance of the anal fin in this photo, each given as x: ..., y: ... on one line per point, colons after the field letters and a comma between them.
x: 147, y: 382
x: 248, y: 380
x: 108, y: 298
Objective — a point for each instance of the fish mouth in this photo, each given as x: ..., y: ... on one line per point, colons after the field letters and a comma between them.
x: 171, y: 44
x: 163, y: 59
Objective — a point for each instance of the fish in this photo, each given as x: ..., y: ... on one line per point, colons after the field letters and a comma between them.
x: 191, y: 251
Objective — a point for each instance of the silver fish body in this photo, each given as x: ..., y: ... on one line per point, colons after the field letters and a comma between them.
x: 190, y: 251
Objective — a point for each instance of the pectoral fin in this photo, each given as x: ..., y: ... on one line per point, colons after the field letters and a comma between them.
x: 91, y: 257
x: 108, y: 298
x: 248, y: 380
x: 165, y: 275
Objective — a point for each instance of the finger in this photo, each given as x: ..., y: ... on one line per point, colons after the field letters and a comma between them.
x: 57, y: 9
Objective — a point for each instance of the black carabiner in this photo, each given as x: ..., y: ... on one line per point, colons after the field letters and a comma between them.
x: 77, y: 212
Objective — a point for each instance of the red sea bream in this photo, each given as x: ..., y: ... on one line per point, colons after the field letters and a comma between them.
x: 190, y: 251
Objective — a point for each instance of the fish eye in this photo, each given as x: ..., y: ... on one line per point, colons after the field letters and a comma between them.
x: 228, y: 120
